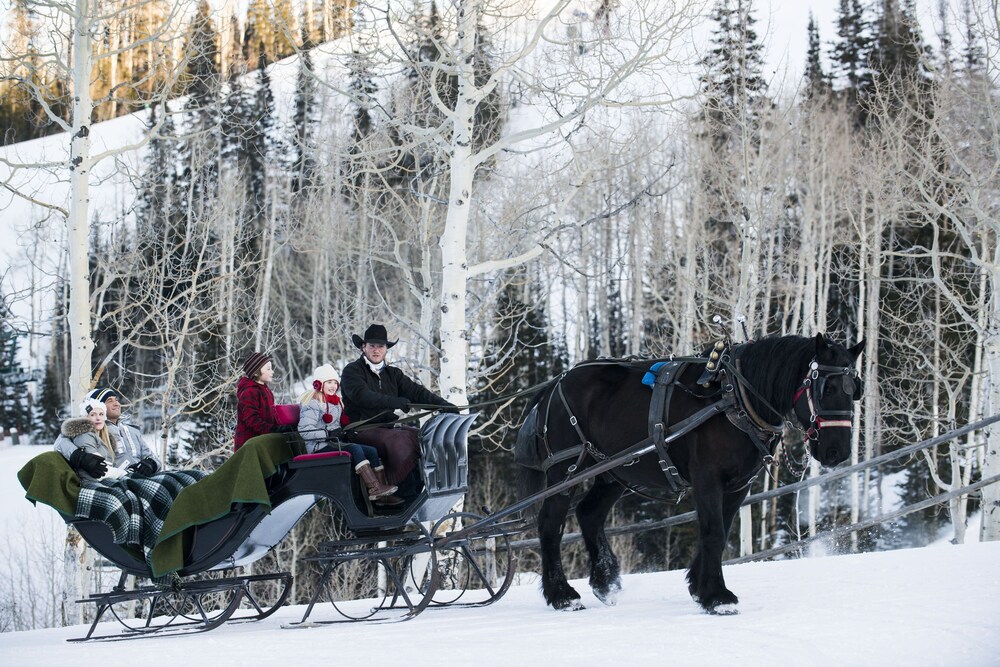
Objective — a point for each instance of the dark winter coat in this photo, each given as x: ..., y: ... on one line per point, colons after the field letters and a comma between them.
x: 254, y: 411
x: 368, y: 395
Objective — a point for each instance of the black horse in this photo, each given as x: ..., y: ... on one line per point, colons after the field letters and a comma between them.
x: 754, y: 386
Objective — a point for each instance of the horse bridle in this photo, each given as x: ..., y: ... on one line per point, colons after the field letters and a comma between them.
x: 812, y: 387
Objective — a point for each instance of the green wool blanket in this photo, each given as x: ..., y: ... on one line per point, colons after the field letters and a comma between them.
x: 239, y: 480
x: 49, y: 479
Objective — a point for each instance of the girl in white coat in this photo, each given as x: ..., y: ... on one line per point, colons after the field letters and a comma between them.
x: 320, y: 415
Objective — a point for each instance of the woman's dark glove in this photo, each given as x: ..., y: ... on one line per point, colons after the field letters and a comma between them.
x: 92, y: 464
x: 145, y: 468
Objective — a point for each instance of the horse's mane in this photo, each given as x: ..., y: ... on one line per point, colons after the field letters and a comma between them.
x: 774, y: 367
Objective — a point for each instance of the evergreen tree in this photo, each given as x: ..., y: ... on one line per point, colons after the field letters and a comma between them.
x: 158, y: 178
x: 898, y: 47
x: 48, y: 409
x: 261, y: 143
x: 363, y: 89
x: 817, y: 82
x: 490, y: 116
x: 201, y: 83
x: 107, y: 287
x: 973, y: 53
x: 732, y: 116
x: 237, y: 115
x: 851, y: 53
x: 523, y: 352
x: 304, y: 119
x: 733, y: 87
x: 357, y: 167
x: 14, y: 399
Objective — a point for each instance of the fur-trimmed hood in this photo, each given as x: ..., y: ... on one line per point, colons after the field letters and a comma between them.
x: 76, y: 426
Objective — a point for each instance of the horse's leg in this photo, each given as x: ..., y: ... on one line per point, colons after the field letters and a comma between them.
x: 551, y: 523
x: 716, y: 511
x: 592, y: 512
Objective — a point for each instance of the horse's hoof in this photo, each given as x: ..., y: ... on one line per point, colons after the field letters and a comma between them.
x: 609, y: 595
x: 729, y: 609
x: 570, y: 605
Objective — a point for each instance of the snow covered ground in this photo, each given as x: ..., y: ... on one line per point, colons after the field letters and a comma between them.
x: 933, y: 606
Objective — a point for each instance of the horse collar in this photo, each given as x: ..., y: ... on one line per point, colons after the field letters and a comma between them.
x: 743, y: 402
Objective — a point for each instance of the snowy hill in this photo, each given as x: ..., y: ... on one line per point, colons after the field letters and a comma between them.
x: 932, y: 606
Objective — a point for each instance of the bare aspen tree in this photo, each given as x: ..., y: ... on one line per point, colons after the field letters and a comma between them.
x: 68, y: 50
x: 455, y: 145
x: 953, y: 177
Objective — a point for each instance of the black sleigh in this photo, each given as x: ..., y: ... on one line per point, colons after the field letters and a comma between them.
x: 422, y: 567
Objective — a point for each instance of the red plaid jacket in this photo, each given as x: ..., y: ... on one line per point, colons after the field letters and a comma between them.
x: 254, y: 411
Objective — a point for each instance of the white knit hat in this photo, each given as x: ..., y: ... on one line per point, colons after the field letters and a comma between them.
x: 90, y: 404
x: 324, y: 373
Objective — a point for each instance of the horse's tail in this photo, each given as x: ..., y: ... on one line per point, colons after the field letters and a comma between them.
x: 529, y: 456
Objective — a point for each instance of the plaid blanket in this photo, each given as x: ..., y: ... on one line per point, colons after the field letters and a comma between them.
x: 134, y: 507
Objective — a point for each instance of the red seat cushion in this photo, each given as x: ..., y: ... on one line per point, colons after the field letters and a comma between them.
x: 287, y: 415
x: 320, y: 455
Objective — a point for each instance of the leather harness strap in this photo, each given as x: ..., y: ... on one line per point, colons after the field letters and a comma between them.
x: 733, y: 403
x: 659, y: 419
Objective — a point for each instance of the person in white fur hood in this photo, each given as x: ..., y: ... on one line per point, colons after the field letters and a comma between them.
x: 88, y: 445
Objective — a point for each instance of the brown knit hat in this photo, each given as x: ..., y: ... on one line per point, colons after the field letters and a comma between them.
x: 254, y: 362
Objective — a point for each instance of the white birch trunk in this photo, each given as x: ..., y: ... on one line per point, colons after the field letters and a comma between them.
x: 746, y: 530
x: 990, y: 529
x: 856, y: 479
x: 78, y: 239
x: 454, y: 259
x: 265, y: 282
x: 78, y: 228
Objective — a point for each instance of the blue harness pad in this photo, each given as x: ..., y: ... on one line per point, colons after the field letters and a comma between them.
x: 649, y: 379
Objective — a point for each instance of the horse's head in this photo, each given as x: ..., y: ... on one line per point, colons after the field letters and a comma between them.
x: 825, y: 400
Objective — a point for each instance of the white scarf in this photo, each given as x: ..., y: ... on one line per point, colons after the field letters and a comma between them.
x: 376, y: 368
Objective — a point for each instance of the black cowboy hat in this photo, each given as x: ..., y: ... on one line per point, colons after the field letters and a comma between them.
x: 376, y: 333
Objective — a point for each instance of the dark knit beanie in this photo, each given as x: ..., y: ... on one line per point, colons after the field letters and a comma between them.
x: 102, y: 394
x: 254, y: 362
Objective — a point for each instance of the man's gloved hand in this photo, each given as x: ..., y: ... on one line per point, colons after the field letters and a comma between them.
x: 145, y: 467
x: 401, y: 403
x: 450, y: 407
x: 92, y: 464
